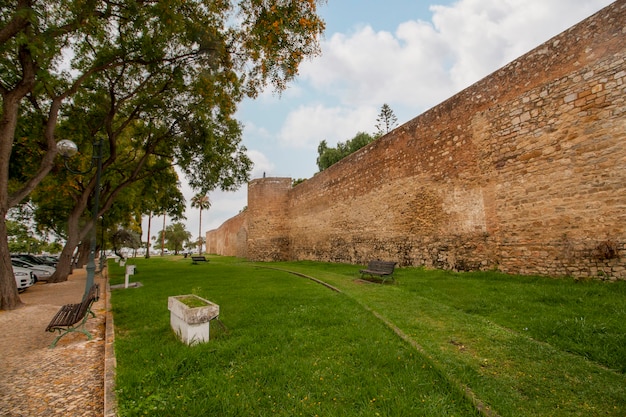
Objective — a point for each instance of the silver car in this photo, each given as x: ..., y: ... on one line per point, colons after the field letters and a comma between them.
x: 41, y: 272
x: 24, y: 278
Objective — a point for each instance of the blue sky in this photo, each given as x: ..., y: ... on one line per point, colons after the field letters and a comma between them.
x: 410, y: 54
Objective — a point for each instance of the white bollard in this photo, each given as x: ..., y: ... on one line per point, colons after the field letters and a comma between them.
x: 130, y: 270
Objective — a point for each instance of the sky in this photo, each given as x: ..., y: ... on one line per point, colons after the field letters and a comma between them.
x: 409, y: 54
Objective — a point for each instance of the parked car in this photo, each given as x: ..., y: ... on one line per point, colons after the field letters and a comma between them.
x: 41, y: 272
x: 50, y: 260
x: 33, y: 259
x: 24, y: 278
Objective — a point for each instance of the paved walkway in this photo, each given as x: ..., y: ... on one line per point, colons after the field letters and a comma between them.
x: 73, y: 379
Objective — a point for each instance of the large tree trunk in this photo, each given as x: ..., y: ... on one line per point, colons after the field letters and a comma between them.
x: 163, y: 236
x: 148, y: 238
x: 74, y: 236
x: 84, y: 248
x: 64, y: 266
x: 9, y: 297
x: 200, y: 234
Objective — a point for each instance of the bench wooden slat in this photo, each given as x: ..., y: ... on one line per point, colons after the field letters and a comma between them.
x: 383, y: 269
x: 199, y: 258
x: 66, y: 316
x: 65, y: 320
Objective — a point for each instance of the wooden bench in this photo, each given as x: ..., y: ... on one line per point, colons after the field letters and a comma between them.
x: 382, y: 269
x: 198, y: 258
x: 66, y: 319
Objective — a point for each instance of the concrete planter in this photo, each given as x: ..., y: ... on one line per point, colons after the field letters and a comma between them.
x: 190, y: 316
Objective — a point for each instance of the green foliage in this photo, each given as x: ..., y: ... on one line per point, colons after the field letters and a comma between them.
x: 201, y: 202
x: 160, y: 193
x: 17, y: 231
x: 52, y: 247
x: 192, y: 302
x: 125, y: 239
x: 20, y: 238
x: 158, y: 82
x: 386, y: 120
x: 328, y: 156
x: 27, y: 152
x: 175, y: 237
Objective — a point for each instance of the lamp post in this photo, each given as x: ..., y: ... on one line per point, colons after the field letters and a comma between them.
x: 67, y: 149
x: 102, y: 245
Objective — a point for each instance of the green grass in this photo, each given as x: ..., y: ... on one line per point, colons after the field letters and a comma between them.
x: 434, y: 344
x: 192, y: 302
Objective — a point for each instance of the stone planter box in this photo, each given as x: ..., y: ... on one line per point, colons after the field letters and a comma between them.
x: 190, y: 316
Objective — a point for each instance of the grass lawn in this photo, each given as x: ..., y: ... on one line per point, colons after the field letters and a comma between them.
x: 433, y: 344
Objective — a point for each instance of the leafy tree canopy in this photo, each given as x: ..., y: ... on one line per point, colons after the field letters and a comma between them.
x: 328, y: 156
x: 157, y: 82
x: 176, y: 235
x: 123, y: 238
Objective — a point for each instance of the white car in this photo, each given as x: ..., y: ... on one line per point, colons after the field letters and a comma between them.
x: 24, y: 278
x: 41, y: 272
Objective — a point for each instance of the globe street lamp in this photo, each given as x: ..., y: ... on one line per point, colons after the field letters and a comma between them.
x: 68, y: 149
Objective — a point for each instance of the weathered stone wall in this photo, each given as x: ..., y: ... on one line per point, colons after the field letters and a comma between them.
x: 268, y: 229
x: 231, y: 238
x: 524, y: 171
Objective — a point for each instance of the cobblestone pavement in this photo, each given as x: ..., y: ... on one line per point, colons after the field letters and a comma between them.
x: 68, y: 380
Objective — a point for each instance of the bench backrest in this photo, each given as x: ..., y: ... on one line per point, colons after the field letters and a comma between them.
x: 383, y: 266
x: 92, y: 296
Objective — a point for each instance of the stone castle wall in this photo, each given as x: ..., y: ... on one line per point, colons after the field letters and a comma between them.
x: 230, y: 239
x: 524, y: 171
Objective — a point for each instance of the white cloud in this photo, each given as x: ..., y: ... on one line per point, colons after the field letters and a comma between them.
x: 423, y: 63
x: 252, y: 130
x: 224, y: 206
x: 271, y: 96
x: 484, y: 35
x: 306, y: 126
x: 262, y: 164
x: 372, y: 68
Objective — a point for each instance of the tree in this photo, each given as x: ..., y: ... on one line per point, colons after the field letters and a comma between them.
x: 386, y: 120
x: 20, y: 239
x: 125, y: 201
x: 175, y: 236
x: 23, y: 235
x: 173, y: 72
x: 328, y: 156
x: 124, y: 239
x: 161, y: 194
x: 201, y: 202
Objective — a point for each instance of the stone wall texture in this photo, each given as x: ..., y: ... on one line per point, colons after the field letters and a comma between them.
x: 524, y: 171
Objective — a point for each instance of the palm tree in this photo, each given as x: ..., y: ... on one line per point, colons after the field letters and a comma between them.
x: 202, y: 202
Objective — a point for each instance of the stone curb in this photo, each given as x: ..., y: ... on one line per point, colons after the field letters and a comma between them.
x: 110, y: 402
